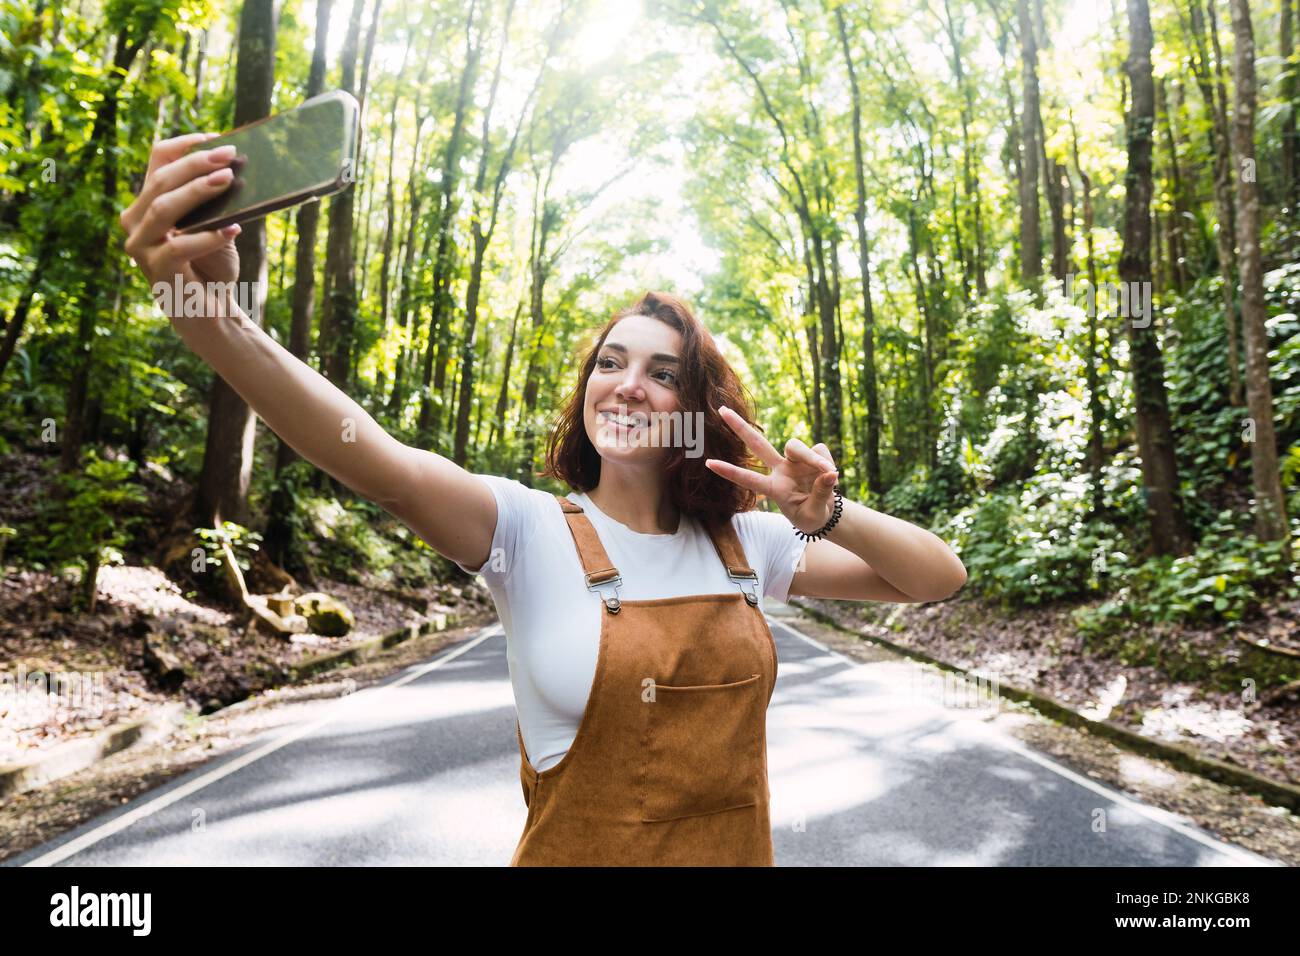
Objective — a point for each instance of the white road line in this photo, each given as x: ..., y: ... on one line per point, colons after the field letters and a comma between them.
x: 139, y: 813
x: 118, y: 824
x: 1155, y: 814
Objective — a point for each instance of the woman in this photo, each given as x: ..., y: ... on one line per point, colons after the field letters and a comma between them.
x: 641, y: 661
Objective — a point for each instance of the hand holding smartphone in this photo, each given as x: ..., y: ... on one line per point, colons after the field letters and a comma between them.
x: 283, y: 160
x: 193, y: 200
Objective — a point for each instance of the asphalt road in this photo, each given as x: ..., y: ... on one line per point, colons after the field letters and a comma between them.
x: 869, y: 765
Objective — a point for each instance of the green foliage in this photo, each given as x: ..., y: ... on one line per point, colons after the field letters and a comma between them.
x: 1227, y: 575
x: 924, y: 493
x: 996, y: 375
x: 1212, y: 435
x: 1290, y: 466
x: 242, y: 542
x: 1037, y: 544
x: 293, y: 480
x: 85, y: 523
x: 6, y: 533
x: 983, y: 396
x: 32, y: 385
x: 348, y: 539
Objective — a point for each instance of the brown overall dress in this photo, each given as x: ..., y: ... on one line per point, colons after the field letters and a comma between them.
x: 669, y: 765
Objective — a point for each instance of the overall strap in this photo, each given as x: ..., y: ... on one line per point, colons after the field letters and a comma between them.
x: 729, y: 549
x: 596, y: 565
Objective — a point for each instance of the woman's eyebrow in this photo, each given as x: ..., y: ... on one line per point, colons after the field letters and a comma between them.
x: 658, y: 356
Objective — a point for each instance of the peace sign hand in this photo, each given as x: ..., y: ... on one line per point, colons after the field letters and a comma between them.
x: 802, y: 481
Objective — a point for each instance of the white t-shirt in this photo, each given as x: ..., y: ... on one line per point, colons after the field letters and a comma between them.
x: 552, y: 621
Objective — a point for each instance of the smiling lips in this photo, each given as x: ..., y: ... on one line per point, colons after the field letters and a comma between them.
x: 635, y: 420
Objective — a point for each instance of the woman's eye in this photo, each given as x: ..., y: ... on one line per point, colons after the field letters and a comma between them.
x: 600, y: 362
x: 671, y: 376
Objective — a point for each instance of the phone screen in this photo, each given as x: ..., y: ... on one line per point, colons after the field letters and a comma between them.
x: 288, y: 156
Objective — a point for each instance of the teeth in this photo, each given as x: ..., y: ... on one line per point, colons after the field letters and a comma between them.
x: 631, y: 421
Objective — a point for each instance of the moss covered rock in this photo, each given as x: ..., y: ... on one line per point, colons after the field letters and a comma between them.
x: 325, y: 615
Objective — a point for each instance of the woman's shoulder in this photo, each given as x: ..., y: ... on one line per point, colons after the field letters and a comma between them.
x: 520, y: 506
x: 521, y: 511
x: 517, y: 493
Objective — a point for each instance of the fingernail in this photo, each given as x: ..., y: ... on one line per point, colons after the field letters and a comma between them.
x: 220, y: 176
x: 233, y: 229
x: 221, y: 154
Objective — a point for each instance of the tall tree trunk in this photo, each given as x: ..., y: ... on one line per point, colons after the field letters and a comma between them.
x: 503, y: 394
x: 279, y: 541
x: 415, y: 192
x: 481, y: 234
x: 99, y: 243
x: 222, y: 492
x: 338, y: 311
x: 544, y: 222
x: 970, y: 172
x: 405, y: 293
x: 1224, y: 204
x: 871, y: 390
x: 359, y: 292
x: 1270, y: 506
x: 364, y: 216
x: 1290, y: 177
x: 1054, y: 188
x: 1221, y: 93
x: 1031, y: 256
x: 429, y: 422
x: 199, y: 61
x: 1053, y: 175
x: 832, y: 349
x: 282, y: 260
x: 1096, y: 410
x: 1177, y: 254
x: 926, y: 378
x: 814, y: 342
x: 1011, y: 143
x: 1170, y: 533
x: 390, y: 213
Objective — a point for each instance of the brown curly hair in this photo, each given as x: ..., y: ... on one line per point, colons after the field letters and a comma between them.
x: 704, y: 382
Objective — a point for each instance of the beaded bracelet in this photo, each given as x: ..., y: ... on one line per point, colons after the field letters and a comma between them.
x: 825, y: 529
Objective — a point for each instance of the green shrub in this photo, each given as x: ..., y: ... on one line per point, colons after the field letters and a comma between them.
x: 1036, y: 545
x: 347, y: 538
x: 1227, y: 575
x: 84, y: 520
x: 243, y: 542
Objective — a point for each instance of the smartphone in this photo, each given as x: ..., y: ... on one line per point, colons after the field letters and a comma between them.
x: 283, y: 160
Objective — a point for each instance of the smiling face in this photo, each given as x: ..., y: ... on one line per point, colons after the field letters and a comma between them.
x: 656, y: 360
x: 632, y: 391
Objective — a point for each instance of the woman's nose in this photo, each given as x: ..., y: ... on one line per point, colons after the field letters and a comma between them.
x: 630, y: 386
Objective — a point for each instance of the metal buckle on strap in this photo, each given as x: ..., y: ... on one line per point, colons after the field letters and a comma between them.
x: 612, y: 604
x: 751, y: 594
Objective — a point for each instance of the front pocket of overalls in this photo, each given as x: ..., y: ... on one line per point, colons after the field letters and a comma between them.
x: 702, y: 749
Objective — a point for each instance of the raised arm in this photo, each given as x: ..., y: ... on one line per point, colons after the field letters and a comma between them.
x: 441, y: 502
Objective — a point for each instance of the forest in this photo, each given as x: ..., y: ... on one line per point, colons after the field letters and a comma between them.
x: 1027, y: 267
